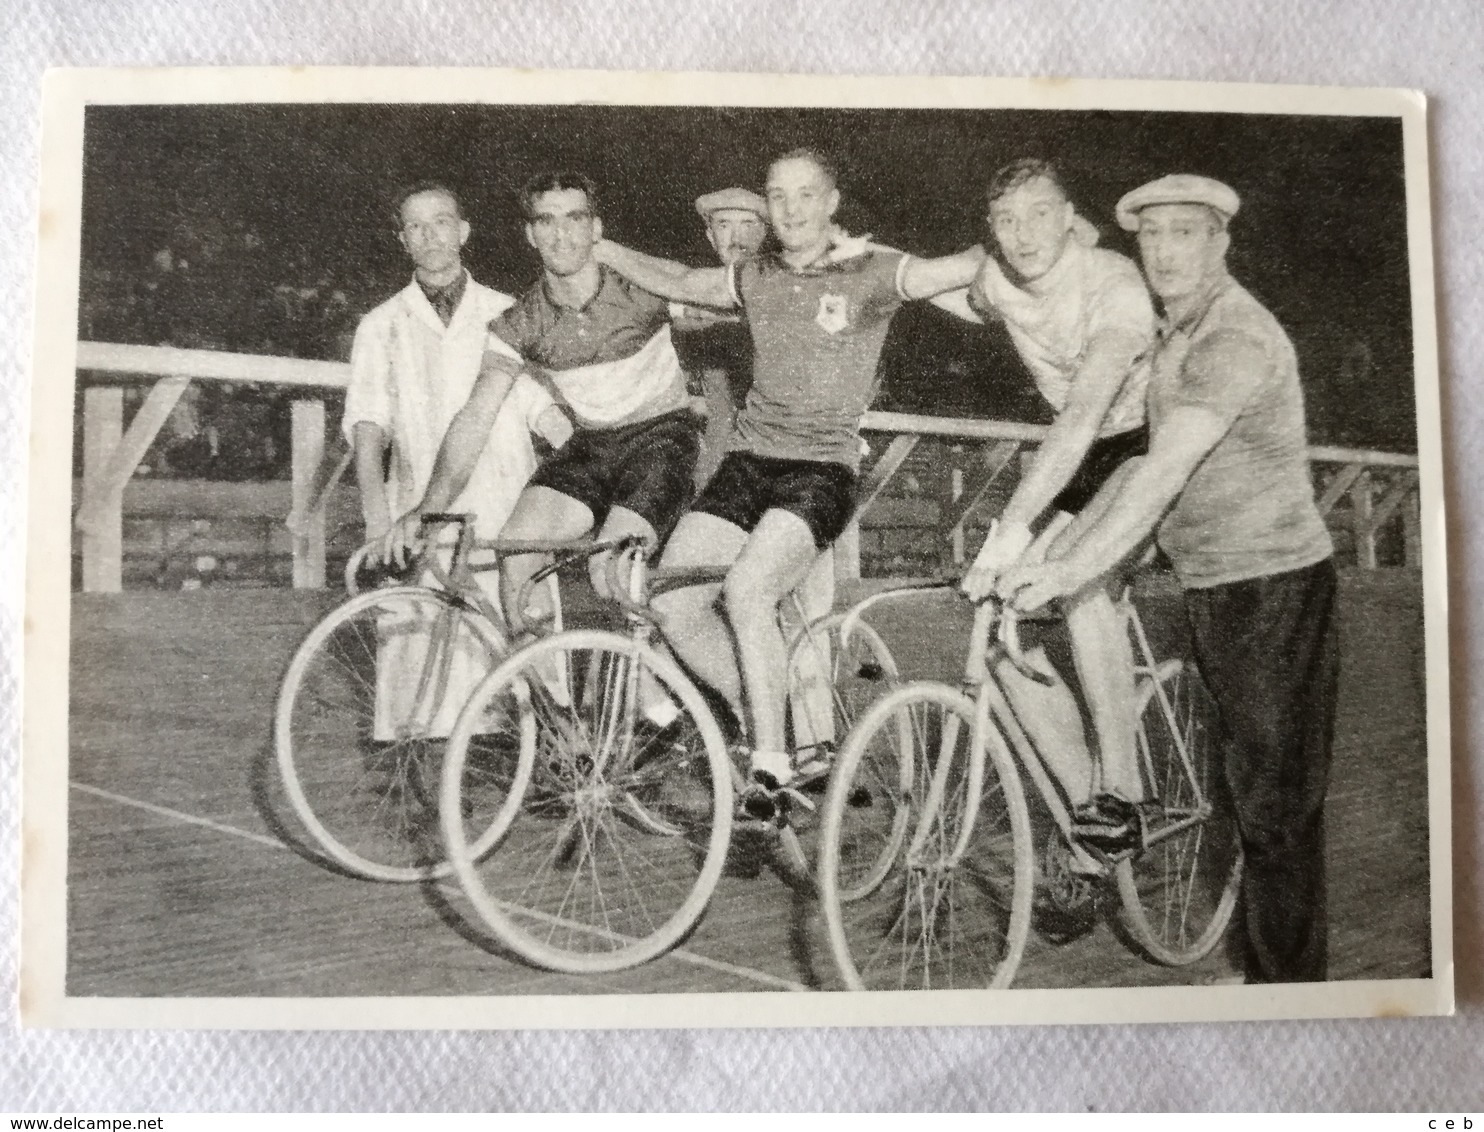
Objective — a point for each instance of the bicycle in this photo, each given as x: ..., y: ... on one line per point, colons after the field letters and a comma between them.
x: 616, y: 828
x: 927, y: 865
x: 371, y: 694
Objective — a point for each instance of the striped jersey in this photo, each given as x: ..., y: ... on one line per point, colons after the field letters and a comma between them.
x: 610, y: 361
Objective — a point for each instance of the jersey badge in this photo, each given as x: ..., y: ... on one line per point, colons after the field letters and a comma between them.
x: 833, y: 315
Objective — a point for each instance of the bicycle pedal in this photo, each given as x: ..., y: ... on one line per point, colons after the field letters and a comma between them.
x: 764, y: 804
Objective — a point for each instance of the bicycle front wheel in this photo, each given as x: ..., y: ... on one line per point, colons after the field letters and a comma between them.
x: 361, y: 725
x: 1178, y: 895
x: 926, y: 863
x: 622, y: 827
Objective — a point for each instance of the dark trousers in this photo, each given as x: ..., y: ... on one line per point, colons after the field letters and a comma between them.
x: 1267, y: 649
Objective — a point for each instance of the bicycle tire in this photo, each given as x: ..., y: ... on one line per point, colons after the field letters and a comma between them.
x: 975, y: 836
x: 361, y: 779
x: 1177, y: 897
x: 663, y: 811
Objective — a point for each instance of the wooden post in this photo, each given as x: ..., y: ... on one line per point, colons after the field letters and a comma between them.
x: 848, y: 553
x: 308, y: 450
x: 956, y: 492
x: 103, y: 539
x: 1362, y: 503
x: 1412, y: 528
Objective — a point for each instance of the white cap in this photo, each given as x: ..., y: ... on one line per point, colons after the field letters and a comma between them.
x: 1177, y: 188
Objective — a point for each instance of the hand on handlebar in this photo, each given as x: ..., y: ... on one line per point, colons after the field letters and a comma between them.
x: 1004, y: 545
x: 403, y: 540
x: 1028, y: 587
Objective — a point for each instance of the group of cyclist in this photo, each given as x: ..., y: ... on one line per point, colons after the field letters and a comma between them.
x: 1186, y: 423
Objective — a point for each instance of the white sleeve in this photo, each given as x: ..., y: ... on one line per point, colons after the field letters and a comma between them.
x: 368, y: 396
x: 899, y: 278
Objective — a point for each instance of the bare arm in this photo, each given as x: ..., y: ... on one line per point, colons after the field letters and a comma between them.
x: 370, y: 449
x: 701, y: 286
x: 467, y: 434
x: 1184, y: 439
x: 1109, y: 358
x: 924, y: 278
x: 462, y: 446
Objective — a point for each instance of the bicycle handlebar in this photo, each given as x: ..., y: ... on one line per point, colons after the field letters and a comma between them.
x: 564, y: 553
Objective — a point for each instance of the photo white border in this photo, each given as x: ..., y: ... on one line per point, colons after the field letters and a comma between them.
x: 67, y: 93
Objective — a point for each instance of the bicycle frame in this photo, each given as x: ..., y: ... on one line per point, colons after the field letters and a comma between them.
x: 996, y: 714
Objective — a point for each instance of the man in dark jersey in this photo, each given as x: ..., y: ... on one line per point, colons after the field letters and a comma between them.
x: 715, y: 345
x: 602, y: 345
x: 786, y: 488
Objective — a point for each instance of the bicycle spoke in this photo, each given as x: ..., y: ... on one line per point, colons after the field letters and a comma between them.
x: 617, y: 824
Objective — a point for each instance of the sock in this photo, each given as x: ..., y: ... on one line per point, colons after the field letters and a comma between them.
x: 776, y: 763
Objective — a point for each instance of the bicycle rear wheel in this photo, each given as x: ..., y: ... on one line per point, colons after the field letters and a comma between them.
x: 926, y: 863
x: 831, y: 683
x: 1178, y: 895
x: 622, y: 827
x: 361, y: 725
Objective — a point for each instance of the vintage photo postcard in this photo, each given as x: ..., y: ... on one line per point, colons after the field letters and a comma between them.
x: 519, y: 549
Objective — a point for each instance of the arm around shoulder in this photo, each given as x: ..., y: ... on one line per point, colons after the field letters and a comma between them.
x: 702, y: 286
x: 924, y: 278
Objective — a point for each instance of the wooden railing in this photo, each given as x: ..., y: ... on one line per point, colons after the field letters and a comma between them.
x: 112, y: 453
x: 1369, y: 498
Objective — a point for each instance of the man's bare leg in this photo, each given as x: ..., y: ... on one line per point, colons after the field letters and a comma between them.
x: 1051, y: 717
x: 1105, y: 667
x: 540, y: 513
x: 694, y: 626
x: 774, y: 560
x: 811, y: 692
x: 1104, y: 658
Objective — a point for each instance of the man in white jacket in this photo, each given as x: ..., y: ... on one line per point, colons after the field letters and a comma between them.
x: 414, y: 360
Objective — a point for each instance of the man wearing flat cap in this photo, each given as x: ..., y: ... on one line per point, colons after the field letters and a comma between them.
x: 716, y: 344
x: 1225, y: 488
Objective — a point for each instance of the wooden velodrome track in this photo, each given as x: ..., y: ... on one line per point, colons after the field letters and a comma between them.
x: 187, y: 876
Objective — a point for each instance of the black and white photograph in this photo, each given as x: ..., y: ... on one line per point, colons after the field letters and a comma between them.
x: 586, y: 549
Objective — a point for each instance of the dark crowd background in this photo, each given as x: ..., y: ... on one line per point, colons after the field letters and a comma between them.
x: 270, y: 230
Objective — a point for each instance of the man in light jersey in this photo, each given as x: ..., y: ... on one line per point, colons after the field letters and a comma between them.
x: 1226, y: 488
x: 413, y: 363
x: 603, y: 346
x: 1082, y: 322
x: 786, y: 488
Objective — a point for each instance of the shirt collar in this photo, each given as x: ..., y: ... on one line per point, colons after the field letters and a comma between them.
x: 822, y: 265
x: 454, y: 290
x: 605, y: 276
x: 1198, y: 310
